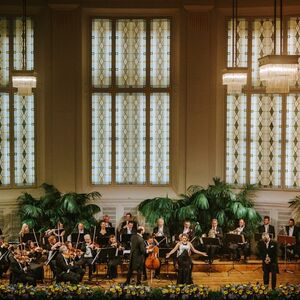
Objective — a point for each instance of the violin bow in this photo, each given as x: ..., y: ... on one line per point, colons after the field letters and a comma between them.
x: 77, y: 242
x: 94, y: 234
x: 36, y: 240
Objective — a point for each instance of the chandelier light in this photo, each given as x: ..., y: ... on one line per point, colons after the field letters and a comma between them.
x: 278, y: 71
x: 24, y: 80
x: 234, y: 77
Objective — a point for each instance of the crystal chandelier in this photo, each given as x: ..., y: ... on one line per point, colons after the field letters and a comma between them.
x: 24, y: 80
x: 278, y: 71
x: 234, y: 77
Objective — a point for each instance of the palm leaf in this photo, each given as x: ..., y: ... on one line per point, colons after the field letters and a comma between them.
x: 69, y: 203
x: 31, y: 211
x: 200, y: 201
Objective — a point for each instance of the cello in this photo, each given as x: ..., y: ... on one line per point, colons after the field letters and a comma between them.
x: 152, y: 261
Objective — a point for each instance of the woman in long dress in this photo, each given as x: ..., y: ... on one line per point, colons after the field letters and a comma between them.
x: 184, y: 250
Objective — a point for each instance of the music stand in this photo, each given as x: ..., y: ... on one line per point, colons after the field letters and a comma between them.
x: 162, y: 240
x: 234, y: 239
x: 125, y: 239
x: 284, y: 240
x: 215, y: 242
x: 110, y: 230
x: 75, y: 237
x: 102, y: 240
x: 104, y: 255
x: 162, y: 254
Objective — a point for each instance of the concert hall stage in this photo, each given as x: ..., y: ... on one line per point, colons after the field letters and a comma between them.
x: 221, y: 274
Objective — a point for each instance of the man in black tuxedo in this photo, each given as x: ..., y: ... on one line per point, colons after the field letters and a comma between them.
x: 292, y: 230
x: 214, y: 232
x: 65, y: 269
x: 187, y: 229
x: 161, y: 230
x: 20, y: 273
x: 137, y: 255
x: 268, y: 254
x: 128, y: 218
x: 267, y: 227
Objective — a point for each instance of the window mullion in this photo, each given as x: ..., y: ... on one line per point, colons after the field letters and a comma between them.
x: 113, y: 104
x: 147, y: 90
x: 11, y: 103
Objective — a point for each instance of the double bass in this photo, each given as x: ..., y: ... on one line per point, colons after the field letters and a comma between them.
x: 152, y: 261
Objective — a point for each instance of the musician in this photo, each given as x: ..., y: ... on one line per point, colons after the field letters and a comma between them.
x: 4, y: 253
x: 35, y: 255
x: 214, y: 232
x: 77, y: 236
x: 112, y: 270
x: 20, y: 273
x: 53, y: 248
x: 128, y: 229
x: 89, y: 248
x: 128, y: 218
x: 187, y: 229
x: 267, y: 227
x: 291, y: 230
x: 103, y: 234
x: 268, y: 253
x: 106, y: 220
x: 184, y: 249
x: 244, y: 247
x: 25, y: 234
x: 66, y: 272
x: 59, y: 232
x: 137, y: 255
x: 161, y: 230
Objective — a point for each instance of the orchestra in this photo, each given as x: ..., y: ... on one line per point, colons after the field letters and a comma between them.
x: 84, y: 249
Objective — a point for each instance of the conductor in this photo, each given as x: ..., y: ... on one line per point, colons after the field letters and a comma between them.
x: 137, y: 255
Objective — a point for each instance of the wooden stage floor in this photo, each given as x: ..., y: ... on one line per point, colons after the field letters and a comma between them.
x: 249, y: 272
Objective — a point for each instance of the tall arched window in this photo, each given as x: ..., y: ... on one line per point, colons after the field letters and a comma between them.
x: 17, y: 114
x: 130, y: 101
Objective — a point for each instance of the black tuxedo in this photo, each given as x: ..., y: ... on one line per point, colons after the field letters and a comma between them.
x: 124, y: 223
x: 137, y: 257
x: 166, y: 231
x: 271, y: 230
x: 296, y: 232
x: 272, y: 267
x: 20, y: 275
x: 66, y: 271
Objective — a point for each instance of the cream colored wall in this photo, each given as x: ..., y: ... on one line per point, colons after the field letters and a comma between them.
x: 197, y: 109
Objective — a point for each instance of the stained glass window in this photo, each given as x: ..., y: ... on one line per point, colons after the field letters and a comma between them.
x: 18, y: 44
x: 130, y: 114
x: 292, y: 156
x: 24, y: 140
x: 131, y: 53
x: 101, y: 138
x: 293, y: 41
x: 4, y: 140
x: 265, y: 153
x: 4, y: 52
x: 159, y: 138
x: 160, y: 53
x: 17, y: 114
x: 131, y: 138
x: 262, y: 144
x: 236, y: 139
x: 262, y: 44
x: 242, y: 43
x: 101, y: 52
